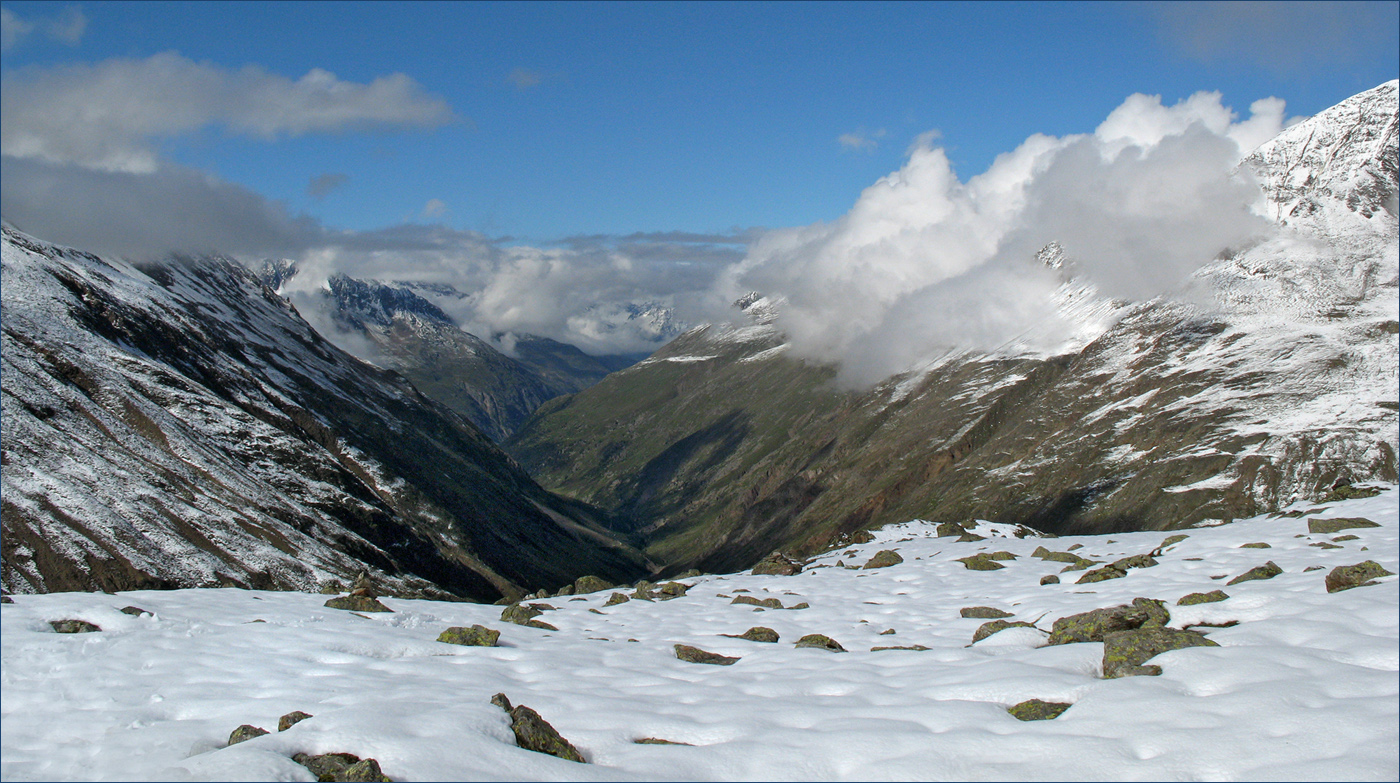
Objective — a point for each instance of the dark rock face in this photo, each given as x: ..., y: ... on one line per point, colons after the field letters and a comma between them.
x: 244, y: 733
x: 475, y: 636
x: 535, y: 733
x: 1092, y: 626
x: 291, y: 719
x: 1125, y: 652
x: 696, y: 655
x: 357, y: 603
x: 884, y: 559
x: 1035, y: 709
x: 1316, y: 525
x: 73, y: 626
x: 1202, y: 598
x: 1358, y: 575
x: 1267, y: 571
x: 983, y: 612
x: 821, y: 642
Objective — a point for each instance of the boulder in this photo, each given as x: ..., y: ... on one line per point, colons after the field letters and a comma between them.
x: 534, y: 733
x: 980, y: 562
x: 821, y: 642
x: 1267, y: 571
x: 778, y: 564
x: 1003, y: 555
x: 800, y: 605
x: 1201, y: 598
x: 5, y: 599
x: 995, y: 626
x: 342, y: 767
x: 1101, y: 574
x: 73, y: 626
x: 1348, y: 492
x: 1035, y: 709
x: 590, y: 584
x: 565, y: 590
x: 757, y: 633
x: 1063, y: 557
x: 656, y: 741
x: 672, y: 590
x: 767, y: 603
x: 643, y: 591
x: 696, y: 655
x: 1325, y: 545
x: 1255, y: 545
x: 244, y: 733
x: 291, y: 719
x: 1091, y: 626
x: 1079, y: 565
x: 1134, y: 561
x: 615, y: 599
x: 884, y: 559
x: 968, y: 538
x: 1316, y: 525
x: 363, y: 586
x: 134, y: 611
x: 1358, y: 575
x: 983, y: 613
x: 1125, y: 652
x: 357, y: 603
x: 475, y: 636
x: 520, y: 615
x: 1050, y: 579
x: 1347, y: 537
x: 949, y: 529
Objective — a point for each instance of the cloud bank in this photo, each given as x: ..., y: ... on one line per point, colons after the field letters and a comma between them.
x: 925, y: 263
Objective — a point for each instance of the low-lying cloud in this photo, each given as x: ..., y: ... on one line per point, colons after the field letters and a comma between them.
x: 925, y: 263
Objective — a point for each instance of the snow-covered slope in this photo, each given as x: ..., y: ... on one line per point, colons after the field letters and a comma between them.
x: 1303, y: 685
x: 179, y: 425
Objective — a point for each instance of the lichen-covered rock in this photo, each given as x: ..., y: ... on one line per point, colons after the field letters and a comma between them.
x: 1348, y: 492
x: 696, y: 655
x: 565, y: 590
x: 1312, y: 568
x: 767, y: 603
x: 643, y: 591
x: 1267, y: 571
x: 1133, y: 561
x: 590, y: 584
x: 291, y: 719
x: 690, y: 572
x: 778, y: 564
x: 520, y: 614
x: 1358, y: 575
x: 357, y: 603
x: 74, y: 626
x: 656, y: 741
x: 332, y: 587
x: 983, y: 613
x: 364, y: 771
x: 615, y: 599
x: 342, y: 768
x: 1002, y: 555
x: 821, y: 642
x: 1256, y: 545
x: 475, y: 636
x: 1202, y: 598
x: 540, y: 624
x: 1035, y: 709
x: 968, y: 538
x: 757, y: 633
x: 1169, y: 540
x: 980, y: 562
x: 1126, y: 652
x: 535, y: 733
x: 134, y: 611
x: 884, y: 559
x: 915, y: 647
x: 1347, y: 537
x: 949, y: 529
x: 1079, y: 565
x: 1091, y: 626
x: 1063, y: 557
x: 996, y: 626
x: 244, y: 733
x: 1101, y: 574
x: 1050, y: 579
x: 1316, y: 525
x: 672, y: 590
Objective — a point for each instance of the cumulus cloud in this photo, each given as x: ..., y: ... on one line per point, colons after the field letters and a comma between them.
x: 861, y: 140
x: 322, y: 185
x: 434, y: 208
x: 67, y: 28
x: 106, y: 116
x: 924, y: 263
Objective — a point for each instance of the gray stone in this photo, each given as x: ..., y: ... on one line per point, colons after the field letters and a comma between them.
x: 1358, y: 575
x: 291, y: 719
x: 357, y: 603
x: 983, y: 613
x: 1267, y: 571
x: 1202, y: 598
x: 696, y: 655
x: 1316, y: 525
x: 1091, y: 626
x: 1035, y: 709
x: 475, y: 636
x: 244, y: 733
x: 757, y: 633
x: 134, y: 611
x: 980, y: 562
x: 778, y: 564
x: 821, y: 642
x: 342, y: 768
x: 1050, y: 579
x: 533, y: 732
x: 520, y: 614
x: 73, y: 626
x: 1101, y: 574
x: 767, y: 603
x: 616, y: 598
x: 590, y: 584
x: 996, y: 626
x: 1126, y: 652
x: 884, y: 559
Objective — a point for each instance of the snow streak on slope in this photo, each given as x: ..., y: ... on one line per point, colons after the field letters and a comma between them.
x: 1303, y: 687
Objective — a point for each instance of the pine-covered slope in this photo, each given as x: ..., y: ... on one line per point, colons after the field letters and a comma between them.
x: 179, y: 425
x: 721, y: 448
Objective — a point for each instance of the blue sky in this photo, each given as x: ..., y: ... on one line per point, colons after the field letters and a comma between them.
x: 582, y: 118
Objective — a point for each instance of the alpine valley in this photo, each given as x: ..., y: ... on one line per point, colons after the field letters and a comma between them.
x: 179, y: 424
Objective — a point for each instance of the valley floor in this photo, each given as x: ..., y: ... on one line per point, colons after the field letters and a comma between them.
x: 1304, y: 687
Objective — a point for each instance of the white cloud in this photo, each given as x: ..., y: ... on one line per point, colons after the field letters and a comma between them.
x: 861, y: 139
x: 107, y: 116
x: 12, y: 28
x: 924, y: 263
x: 524, y: 79
x: 434, y: 208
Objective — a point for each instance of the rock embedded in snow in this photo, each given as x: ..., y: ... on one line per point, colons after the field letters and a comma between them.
x: 758, y: 633
x: 1064, y: 557
x: 1192, y: 599
x: 1256, y: 545
x: 616, y: 598
x: 475, y: 636
x: 980, y: 562
x: 1035, y: 709
x: 983, y: 613
x: 820, y: 641
x: 533, y: 732
x: 1134, y: 561
x: 672, y: 590
x: 1002, y: 555
x: 1126, y: 652
x: 777, y: 564
x: 244, y: 733
x: 1091, y: 626
x: 134, y: 611
x: 1079, y: 565
x: 657, y: 741
x: 1267, y: 571
x: 1050, y: 579
x: 357, y: 603
x: 590, y: 584
x: 767, y: 603
x: 996, y: 626
x: 520, y: 614
x: 696, y: 655
x: 950, y: 529
x: 1358, y: 575
x: 342, y: 768
x: 914, y: 647
x: 884, y: 559
x: 291, y: 719
x: 1316, y: 525
x: 73, y: 626
x: 1101, y: 574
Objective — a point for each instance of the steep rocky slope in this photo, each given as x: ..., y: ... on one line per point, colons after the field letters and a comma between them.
x: 179, y: 425
x: 721, y: 448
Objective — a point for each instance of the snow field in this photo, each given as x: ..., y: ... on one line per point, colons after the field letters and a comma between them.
x: 1304, y: 687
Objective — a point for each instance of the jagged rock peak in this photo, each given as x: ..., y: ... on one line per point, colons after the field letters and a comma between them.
x: 360, y: 302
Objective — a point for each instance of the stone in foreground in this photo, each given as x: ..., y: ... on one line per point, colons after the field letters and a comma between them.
x: 358, y: 603
x: 1035, y: 709
x: 821, y: 642
x: 291, y: 719
x: 1126, y: 652
x: 244, y: 733
x: 884, y: 559
x: 342, y: 768
x: 73, y: 626
x: 696, y: 655
x: 475, y: 636
x: 1358, y: 575
x: 534, y: 733
x: 1091, y: 626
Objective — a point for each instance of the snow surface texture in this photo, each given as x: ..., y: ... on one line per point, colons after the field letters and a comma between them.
x: 1304, y: 687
